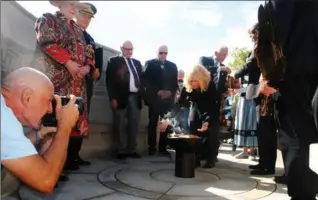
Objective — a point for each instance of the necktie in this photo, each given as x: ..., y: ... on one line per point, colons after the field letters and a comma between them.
x: 133, y: 70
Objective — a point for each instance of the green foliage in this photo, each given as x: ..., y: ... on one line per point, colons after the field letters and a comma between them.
x: 239, y: 56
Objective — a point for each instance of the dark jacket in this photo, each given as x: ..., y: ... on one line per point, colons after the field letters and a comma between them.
x: 219, y: 77
x: 117, y: 80
x: 203, y: 108
x: 156, y: 78
x: 250, y: 69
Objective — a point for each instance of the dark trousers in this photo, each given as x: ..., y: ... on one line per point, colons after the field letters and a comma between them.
x: 297, y: 132
x: 152, y: 131
x: 89, y: 98
x: 267, y: 142
x: 126, y: 135
x: 74, y: 147
x: 315, y: 105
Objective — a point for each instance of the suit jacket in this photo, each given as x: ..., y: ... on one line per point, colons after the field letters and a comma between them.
x: 156, y: 78
x: 118, y: 78
x: 218, y: 77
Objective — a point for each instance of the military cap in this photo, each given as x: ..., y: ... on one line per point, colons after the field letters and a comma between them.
x: 89, y: 10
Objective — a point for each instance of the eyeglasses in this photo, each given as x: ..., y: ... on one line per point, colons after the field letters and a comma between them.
x: 128, y: 49
x: 163, y: 53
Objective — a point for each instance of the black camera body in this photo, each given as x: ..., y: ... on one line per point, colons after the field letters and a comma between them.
x: 49, y: 120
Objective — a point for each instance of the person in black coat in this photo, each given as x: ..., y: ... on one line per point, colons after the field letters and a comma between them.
x: 160, y: 84
x: 219, y: 73
x: 124, y: 85
x: 297, y: 33
x: 200, y: 91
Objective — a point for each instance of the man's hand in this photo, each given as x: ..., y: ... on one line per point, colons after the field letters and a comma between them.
x: 163, y: 125
x: 226, y: 69
x: 96, y: 74
x: 73, y: 67
x: 204, y: 127
x: 114, y: 104
x: 67, y: 115
x: 84, y: 71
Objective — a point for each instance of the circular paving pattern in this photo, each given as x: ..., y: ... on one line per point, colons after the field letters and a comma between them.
x: 154, y: 181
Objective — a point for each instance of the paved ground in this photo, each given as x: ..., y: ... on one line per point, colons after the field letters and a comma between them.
x: 153, y: 178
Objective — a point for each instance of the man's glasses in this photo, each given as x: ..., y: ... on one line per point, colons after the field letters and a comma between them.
x: 128, y: 49
x: 163, y: 53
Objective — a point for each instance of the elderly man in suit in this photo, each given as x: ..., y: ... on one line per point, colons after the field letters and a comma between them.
x: 161, y: 84
x: 123, y: 81
x: 218, y: 72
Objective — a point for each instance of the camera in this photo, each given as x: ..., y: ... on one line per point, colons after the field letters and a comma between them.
x: 49, y: 120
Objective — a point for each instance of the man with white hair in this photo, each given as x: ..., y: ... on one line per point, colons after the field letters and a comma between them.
x: 123, y: 81
x: 26, y: 96
x: 218, y: 72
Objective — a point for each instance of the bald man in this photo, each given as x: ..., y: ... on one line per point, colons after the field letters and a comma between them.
x: 123, y: 81
x: 26, y: 96
x: 161, y: 84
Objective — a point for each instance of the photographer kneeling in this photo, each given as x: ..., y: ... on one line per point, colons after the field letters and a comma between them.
x: 26, y: 96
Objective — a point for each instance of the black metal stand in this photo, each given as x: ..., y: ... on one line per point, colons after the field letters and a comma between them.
x: 184, y: 164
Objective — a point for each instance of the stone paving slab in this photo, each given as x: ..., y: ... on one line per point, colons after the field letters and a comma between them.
x: 153, y: 178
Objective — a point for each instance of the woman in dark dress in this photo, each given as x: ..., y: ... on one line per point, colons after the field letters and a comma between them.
x: 203, y: 116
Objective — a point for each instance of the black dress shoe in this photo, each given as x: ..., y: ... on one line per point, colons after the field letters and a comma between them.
x: 164, y: 153
x: 262, y: 172
x: 134, y: 155
x: 71, y: 167
x: 209, y: 164
x: 281, y: 179
x: 82, y: 162
x: 121, y: 156
x: 151, y: 151
x: 255, y: 167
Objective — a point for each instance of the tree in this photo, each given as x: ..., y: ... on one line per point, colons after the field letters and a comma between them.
x: 239, y: 56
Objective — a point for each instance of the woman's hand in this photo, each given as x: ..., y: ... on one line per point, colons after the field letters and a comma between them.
x: 96, y: 74
x: 46, y: 130
x: 265, y: 89
x: 204, y: 127
x: 163, y: 125
x: 73, y: 67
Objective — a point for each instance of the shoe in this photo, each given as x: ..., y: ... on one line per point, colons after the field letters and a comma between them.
x: 71, y: 167
x: 82, y: 162
x: 63, y: 178
x: 121, y: 156
x: 209, y: 164
x: 151, y: 151
x: 134, y: 155
x: 262, y: 172
x: 241, y: 155
x: 164, y: 153
x: 281, y: 179
x: 255, y: 166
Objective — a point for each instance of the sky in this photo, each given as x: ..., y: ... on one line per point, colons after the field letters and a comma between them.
x: 190, y: 29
